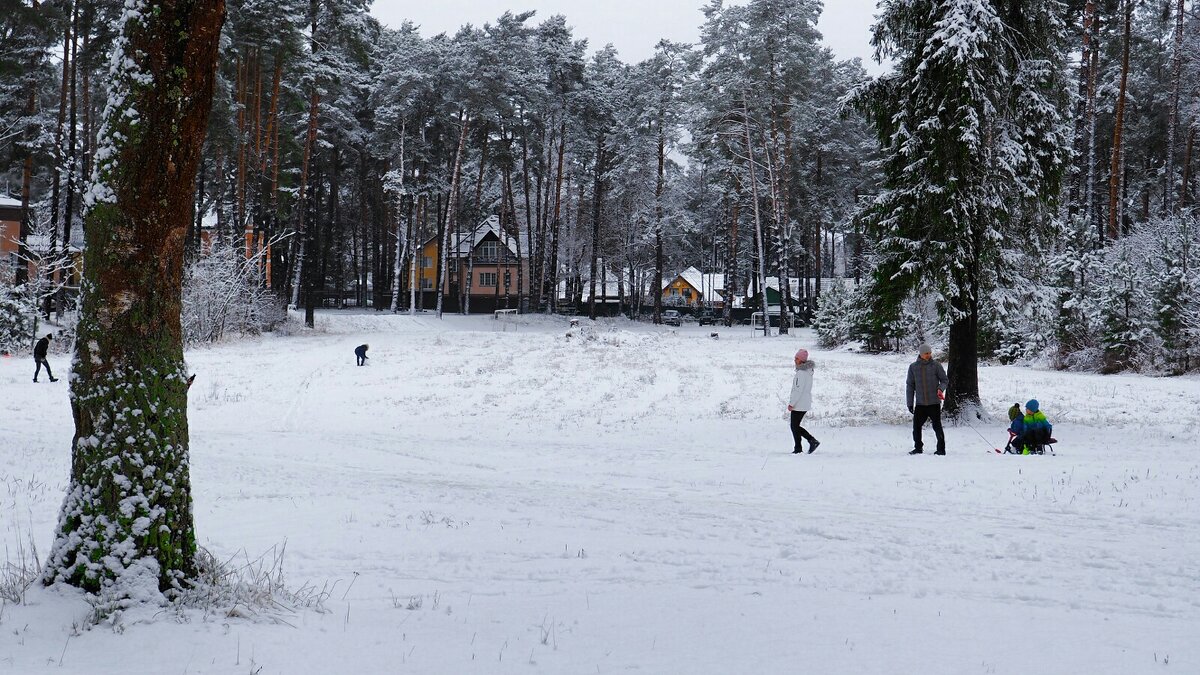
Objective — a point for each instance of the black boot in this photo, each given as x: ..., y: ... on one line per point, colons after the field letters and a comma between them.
x: 915, y: 451
x: 812, y: 445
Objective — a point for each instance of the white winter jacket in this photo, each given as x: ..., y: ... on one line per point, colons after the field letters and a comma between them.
x: 802, y: 387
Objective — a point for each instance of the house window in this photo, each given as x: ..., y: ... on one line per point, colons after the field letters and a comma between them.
x: 426, y: 283
x: 488, y: 250
x: 674, y: 292
x: 426, y: 262
x: 487, y: 279
x: 687, y: 293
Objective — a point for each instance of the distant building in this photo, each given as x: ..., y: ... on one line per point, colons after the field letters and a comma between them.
x: 693, y: 288
x: 10, y: 237
x: 488, y: 262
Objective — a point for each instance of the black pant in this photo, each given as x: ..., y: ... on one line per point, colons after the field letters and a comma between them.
x: 1031, y: 438
x: 799, y: 432
x: 40, y: 363
x: 928, y: 412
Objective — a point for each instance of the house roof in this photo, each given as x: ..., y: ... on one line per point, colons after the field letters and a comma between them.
x: 704, y: 282
x: 462, y: 243
x: 9, y: 202
x: 40, y: 243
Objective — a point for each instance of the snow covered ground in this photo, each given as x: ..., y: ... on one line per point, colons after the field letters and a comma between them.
x: 483, y: 500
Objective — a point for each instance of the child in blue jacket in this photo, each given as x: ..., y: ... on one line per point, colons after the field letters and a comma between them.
x: 1035, y: 429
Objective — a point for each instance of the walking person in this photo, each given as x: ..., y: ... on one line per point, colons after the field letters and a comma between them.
x: 39, y: 357
x: 801, y: 401
x: 360, y: 354
x: 924, y: 388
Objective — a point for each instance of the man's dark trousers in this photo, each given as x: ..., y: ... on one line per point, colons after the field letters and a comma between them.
x: 928, y: 412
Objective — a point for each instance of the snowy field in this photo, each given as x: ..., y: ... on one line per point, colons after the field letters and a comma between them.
x: 480, y: 500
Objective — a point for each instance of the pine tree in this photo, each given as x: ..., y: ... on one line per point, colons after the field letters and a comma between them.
x: 972, y: 127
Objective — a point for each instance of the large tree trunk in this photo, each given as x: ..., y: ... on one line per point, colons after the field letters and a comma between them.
x: 127, y: 522
x: 962, y: 367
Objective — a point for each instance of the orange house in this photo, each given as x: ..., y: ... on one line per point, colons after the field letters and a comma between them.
x: 10, y: 237
x: 493, y: 260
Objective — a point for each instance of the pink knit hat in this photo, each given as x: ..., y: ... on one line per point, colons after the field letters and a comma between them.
x: 802, y: 355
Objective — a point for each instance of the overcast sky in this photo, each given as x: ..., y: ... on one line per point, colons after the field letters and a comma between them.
x: 632, y: 26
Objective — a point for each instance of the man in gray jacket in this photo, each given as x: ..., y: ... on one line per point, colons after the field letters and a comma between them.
x: 926, y: 382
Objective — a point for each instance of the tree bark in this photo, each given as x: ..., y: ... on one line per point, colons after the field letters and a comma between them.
x: 127, y: 519
x: 1173, y: 123
x: 451, y: 210
x: 597, y: 209
x: 1077, y: 197
x: 1185, y: 195
x: 758, y: 229
x: 658, y: 224
x: 1116, y: 175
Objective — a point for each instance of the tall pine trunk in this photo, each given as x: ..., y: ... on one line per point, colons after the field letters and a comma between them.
x: 658, y: 222
x: 126, y: 522
x: 758, y: 228
x: 597, y: 209
x: 1173, y: 123
x: 1117, y: 168
x: 451, y: 212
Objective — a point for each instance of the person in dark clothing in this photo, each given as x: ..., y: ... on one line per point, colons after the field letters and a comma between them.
x: 926, y: 382
x: 361, y: 353
x: 39, y: 357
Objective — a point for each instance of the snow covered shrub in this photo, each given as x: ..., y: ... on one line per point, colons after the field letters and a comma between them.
x: 17, y: 319
x: 831, y: 319
x: 1122, y: 303
x: 223, y: 294
x: 1175, y: 308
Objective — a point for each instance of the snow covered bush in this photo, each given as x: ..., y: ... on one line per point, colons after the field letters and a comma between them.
x: 222, y: 295
x: 1131, y: 305
x: 840, y: 315
x: 17, y: 319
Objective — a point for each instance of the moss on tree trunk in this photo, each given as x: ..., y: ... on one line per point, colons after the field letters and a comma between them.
x: 126, y: 523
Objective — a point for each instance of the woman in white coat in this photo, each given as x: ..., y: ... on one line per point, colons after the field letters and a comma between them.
x: 801, y: 401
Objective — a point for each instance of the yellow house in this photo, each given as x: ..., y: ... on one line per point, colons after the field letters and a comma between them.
x: 693, y: 288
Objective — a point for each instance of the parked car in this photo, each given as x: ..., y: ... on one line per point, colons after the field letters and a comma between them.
x: 671, y: 317
x: 707, y: 317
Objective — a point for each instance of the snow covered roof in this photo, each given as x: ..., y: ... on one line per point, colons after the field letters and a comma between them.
x: 467, y: 241
x: 9, y: 202
x: 608, y: 292
x: 705, y: 282
x: 41, y: 243
x: 773, y: 284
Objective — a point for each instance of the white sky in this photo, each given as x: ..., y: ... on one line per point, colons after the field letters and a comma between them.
x: 632, y: 26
